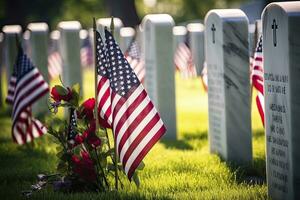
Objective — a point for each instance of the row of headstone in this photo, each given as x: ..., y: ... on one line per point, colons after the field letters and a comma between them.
x: 227, y: 56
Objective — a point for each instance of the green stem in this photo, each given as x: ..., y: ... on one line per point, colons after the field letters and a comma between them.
x: 102, y: 170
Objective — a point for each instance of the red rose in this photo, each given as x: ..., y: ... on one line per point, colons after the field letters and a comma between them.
x: 89, y: 136
x: 84, y: 167
x: 79, y: 139
x: 54, y: 94
x: 58, y: 96
x: 87, y: 109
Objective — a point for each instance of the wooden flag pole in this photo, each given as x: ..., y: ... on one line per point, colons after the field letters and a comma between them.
x: 112, y: 28
x: 96, y: 74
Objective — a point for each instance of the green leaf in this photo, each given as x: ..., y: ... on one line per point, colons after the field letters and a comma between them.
x: 141, y: 166
x: 61, y: 90
x: 136, y: 179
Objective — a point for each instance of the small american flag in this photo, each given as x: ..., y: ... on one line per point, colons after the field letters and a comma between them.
x: 72, y: 126
x: 11, y: 87
x: 183, y: 61
x: 134, y: 58
x: 258, y: 78
x: 103, y: 89
x: 29, y: 87
x: 54, y: 61
x: 137, y: 125
x: 86, y: 53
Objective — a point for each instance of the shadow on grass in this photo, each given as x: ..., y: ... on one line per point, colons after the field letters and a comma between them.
x: 195, y: 136
x: 184, y: 143
x: 176, y: 144
x: 252, y: 174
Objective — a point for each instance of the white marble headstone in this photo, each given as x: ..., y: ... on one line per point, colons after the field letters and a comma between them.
x: 126, y: 36
x: 227, y: 57
x: 179, y: 34
x: 160, y: 80
x: 281, y: 50
x: 196, y: 41
x: 69, y: 47
x: 38, y: 44
x: 10, y: 48
x: 105, y: 22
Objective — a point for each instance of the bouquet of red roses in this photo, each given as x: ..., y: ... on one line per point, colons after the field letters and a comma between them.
x: 86, y: 158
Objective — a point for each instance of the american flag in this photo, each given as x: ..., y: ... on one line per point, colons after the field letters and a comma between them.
x: 134, y: 57
x: 183, y: 61
x: 72, y: 126
x: 28, y: 88
x: 103, y: 89
x: 137, y: 125
x: 258, y: 78
x: 86, y: 53
x: 54, y: 61
x: 11, y: 87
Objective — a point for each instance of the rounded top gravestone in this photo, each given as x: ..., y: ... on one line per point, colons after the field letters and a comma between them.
x: 69, y: 25
x: 179, y: 30
x: 160, y: 80
x: 105, y: 22
x: 195, y: 27
x: 227, y: 58
x: 281, y: 51
x: 10, y: 47
x: 126, y: 34
x: 83, y: 34
x: 38, y: 27
x: 55, y: 35
x: 11, y: 29
x: 196, y: 44
x: 227, y: 14
x: 158, y: 19
x: 179, y: 34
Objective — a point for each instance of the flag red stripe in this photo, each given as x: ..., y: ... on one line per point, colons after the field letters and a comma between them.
x: 138, y: 139
x: 260, y: 110
x: 129, y: 110
x: 133, y: 126
x: 146, y: 149
x: 27, y: 94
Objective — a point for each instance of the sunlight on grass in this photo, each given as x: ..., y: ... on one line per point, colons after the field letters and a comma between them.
x: 181, y: 169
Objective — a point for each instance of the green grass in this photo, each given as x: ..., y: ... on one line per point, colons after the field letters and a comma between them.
x: 182, y: 169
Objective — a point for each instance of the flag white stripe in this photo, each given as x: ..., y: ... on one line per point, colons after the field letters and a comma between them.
x: 130, y: 119
x: 26, y: 78
x: 137, y: 131
x: 128, y: 102
x: 33, y: 95
x: 142, y: 145
x: 19, y: 93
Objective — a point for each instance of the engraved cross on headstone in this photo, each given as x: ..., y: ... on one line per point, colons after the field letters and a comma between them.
x: 213, y: 29
x: 274, y: 27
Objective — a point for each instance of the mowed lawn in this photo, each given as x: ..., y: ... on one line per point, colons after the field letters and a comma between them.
x: 182, y: 169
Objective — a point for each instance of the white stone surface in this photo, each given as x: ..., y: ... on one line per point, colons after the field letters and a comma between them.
x: 227, y: 57
x: 38, y: 44
x: 127, y: 34
x: 196, y: 43
x: 10, y: 48
x: 69, y: 47
x: 105, y: 22
x: 160, y: 80
x: 281, y: 50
